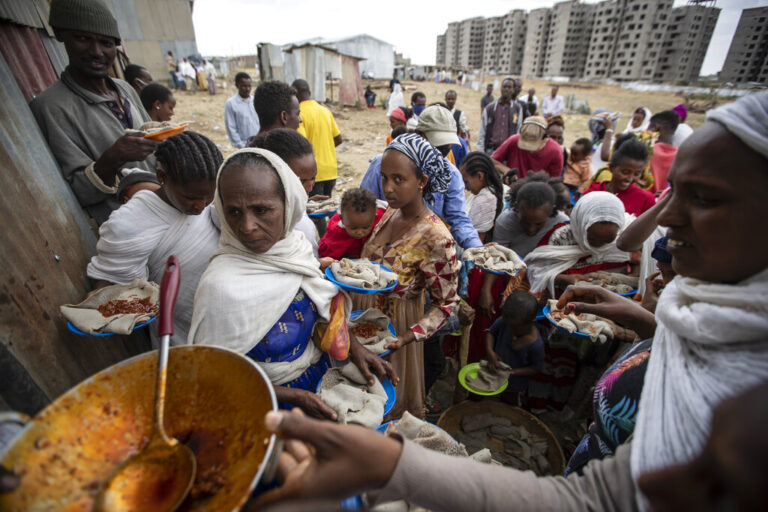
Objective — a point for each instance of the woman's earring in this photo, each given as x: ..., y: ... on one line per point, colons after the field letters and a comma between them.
x: 157, y: 107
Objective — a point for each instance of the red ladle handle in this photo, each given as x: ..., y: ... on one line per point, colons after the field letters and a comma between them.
x: 169, y: 290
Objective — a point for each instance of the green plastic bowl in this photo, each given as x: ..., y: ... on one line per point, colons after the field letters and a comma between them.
x: 471, y: 370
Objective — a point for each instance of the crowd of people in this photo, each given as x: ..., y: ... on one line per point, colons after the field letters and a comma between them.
x: 671, y: 206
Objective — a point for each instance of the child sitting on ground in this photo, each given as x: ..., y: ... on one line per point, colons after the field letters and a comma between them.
x: 578, y: 169
x: 350, y: 227
x: 514, y: 339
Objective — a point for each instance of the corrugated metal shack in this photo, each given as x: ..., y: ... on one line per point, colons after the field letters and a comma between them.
x: 150, y: 28
x: 47, y: 239
x: 314, y: 63
x: 378, y: 55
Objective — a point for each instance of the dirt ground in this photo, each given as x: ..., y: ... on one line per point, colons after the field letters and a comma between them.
x: 365, y: 130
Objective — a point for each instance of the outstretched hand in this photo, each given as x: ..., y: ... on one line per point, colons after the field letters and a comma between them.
x: 323, y: 459
x: 369, y: 363
x: 604, y: 303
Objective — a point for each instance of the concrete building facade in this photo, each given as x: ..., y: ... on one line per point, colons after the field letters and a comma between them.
x: 568, y: 39
x: 535, y: 49
x: 747, y: 59
x: 504, y: 43
x: 613, y: 39
x: 685, y: 44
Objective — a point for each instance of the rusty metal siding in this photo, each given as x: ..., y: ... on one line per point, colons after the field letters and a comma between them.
x: 46, y: 245
x: 350, y: 86
x: 30, y: 13
x: 26, y: 56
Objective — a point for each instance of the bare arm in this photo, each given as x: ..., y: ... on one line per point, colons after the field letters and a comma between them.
x: 633, y: 236
x: 337, y: 140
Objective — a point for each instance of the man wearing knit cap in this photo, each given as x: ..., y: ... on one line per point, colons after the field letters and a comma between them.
x: 530, y: 150
x: 436, y: 124
x: 85, y: 114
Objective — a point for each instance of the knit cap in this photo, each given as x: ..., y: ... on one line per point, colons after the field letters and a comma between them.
x: 84, y: 15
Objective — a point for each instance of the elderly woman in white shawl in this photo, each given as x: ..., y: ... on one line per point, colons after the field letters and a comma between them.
x: 587, y: 244
x: 263, y: 291
x: 710, y: 345
x: 176, y: 219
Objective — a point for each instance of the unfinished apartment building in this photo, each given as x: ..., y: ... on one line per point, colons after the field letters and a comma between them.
x: 627, y: 39
x: 612, y: 39
x: 686, y: 40
x: 504, y: 42
x: 568, y: 40
x: 535, y: 49
x: 747, y: 59
x: 462, y: 44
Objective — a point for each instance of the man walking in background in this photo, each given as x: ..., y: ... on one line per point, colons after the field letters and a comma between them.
x: 319, y: 127
x: 240, y: 116
x: 553, y: 104
x: 485, y: 100
x: 458, y: 115
x: 170, y: 65
x: 501, y: 118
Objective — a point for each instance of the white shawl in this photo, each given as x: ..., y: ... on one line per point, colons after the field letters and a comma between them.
x: 138, y: 238
x: 546, y: 262
x: 243, y: 294
x: 395, y: 99
x: 747, y: 119
x: 643, y: 126
x: 711, y: 343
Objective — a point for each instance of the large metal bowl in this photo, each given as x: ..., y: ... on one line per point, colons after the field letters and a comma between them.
x: 215, y: 403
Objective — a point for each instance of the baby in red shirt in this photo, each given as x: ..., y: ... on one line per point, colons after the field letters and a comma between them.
x: 350, y: 227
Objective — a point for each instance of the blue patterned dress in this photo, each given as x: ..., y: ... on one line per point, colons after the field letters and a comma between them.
x: 288, y: 339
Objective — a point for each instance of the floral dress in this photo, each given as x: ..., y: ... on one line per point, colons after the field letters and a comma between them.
x: 424, y: 258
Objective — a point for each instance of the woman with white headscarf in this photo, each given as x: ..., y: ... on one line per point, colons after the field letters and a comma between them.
x: 710, y: 346
x: 587, y: 244
x: 263, y: 291
x: 640, y: 120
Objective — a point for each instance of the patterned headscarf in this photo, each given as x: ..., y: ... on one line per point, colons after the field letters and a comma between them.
x: 429, y: 161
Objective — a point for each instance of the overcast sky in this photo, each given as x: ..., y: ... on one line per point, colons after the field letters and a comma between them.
x: 234, y: 27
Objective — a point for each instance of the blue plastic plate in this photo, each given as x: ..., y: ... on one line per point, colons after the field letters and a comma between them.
x: 391, y: 327
x: 497, y: 272
x: 75, y: 330
x: 546, y: 313
x: 321, y: 214
x: 629, y: 294
x: 366, y: 291
x: 388, y: 388
x: 540, y: 312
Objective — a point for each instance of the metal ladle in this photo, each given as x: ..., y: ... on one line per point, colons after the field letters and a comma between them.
x: 159, y: 477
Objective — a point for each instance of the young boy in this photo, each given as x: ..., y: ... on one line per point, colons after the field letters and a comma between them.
x: 514, y: 339
x: 578, y: 168
x: 664, y: 152
x: 350, y: 227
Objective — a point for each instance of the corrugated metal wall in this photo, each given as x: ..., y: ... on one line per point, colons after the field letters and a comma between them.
x: 350, y: 86
x: 46, y: 245
x: 27, y: 58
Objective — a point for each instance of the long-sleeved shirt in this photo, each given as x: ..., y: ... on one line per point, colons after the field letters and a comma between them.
x: 490, y: 118
x: 441, y: 482
x: 449, y: 206
x: 240, y: 120
x: 80, y: 126
x: 552, y: 106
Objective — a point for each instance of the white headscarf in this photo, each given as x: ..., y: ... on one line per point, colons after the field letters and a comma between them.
x: 747, y: 119
x: 643, y: 126
x: 395, y: 99
x: 545, y: 263
x: 711, y: 342
x: 243, y: 294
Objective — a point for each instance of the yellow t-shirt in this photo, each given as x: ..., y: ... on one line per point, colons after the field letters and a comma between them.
x: 319, y: 127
